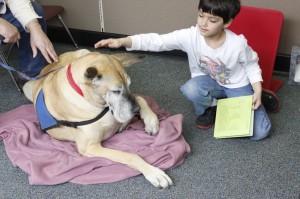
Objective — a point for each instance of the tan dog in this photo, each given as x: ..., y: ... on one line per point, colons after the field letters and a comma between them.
x: 78, y: 93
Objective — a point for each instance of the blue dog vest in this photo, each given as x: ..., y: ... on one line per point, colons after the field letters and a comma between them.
x: 47, y: 121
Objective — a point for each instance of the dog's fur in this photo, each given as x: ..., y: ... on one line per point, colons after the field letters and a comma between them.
x: 104, y: 82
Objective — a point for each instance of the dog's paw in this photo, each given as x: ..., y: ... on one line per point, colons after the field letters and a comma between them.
x: 158, y: 178
x: 151, y: 124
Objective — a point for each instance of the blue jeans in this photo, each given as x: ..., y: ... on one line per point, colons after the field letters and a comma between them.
x: 203, y: 90
x: 27, y: 64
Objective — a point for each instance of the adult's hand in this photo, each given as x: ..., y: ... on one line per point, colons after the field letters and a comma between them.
x: 9, y: 32
x: 40, y: 41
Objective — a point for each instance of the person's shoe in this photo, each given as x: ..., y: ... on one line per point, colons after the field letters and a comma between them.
x: 207, y: 119
x: 270, y: 101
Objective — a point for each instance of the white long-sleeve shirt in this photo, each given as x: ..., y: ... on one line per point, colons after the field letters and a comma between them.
x: 232, y: 65
x: 21, y: 9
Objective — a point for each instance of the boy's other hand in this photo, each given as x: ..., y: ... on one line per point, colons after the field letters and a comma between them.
x: 256, y: 100
x: 257, y: 88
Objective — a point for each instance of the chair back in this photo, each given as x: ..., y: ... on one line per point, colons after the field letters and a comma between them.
x: 262, y: 28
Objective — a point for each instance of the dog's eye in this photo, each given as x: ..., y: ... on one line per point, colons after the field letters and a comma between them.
x: 116, y: 92
x: 92, y: 72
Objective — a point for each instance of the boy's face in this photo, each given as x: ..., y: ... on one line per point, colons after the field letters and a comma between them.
x: 210, y: 25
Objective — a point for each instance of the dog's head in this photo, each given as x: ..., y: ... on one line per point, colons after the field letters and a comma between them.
x: 104, y: 82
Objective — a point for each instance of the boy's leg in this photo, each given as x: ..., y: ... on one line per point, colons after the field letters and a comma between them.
x: 203, y: 92
x: 262, y: 123
x: 28, y: 64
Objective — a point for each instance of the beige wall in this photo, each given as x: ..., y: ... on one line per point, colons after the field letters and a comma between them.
x: 162, y: 16
x: 78, y: 14
x: 137, y: 16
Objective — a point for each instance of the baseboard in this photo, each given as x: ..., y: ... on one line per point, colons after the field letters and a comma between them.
x: 282, y: 62
x: 89, y: 38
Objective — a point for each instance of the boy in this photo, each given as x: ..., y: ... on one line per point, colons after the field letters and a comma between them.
x: 221, y: 63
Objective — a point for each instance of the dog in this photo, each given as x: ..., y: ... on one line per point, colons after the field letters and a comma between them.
x: 86, y: 99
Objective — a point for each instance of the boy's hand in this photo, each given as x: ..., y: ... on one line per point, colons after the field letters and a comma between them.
x: 257, y: 88
x: 256, y: 100
x: 114, y: 43
x: 111, y: 43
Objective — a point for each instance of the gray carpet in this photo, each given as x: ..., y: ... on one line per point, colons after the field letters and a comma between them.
x: 225, y: 168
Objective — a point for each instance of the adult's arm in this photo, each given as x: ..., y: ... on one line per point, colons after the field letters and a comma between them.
x: 23, y: 11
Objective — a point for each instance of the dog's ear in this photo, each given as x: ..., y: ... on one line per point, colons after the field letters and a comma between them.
x: 92, y: 73
x: 128, y: 59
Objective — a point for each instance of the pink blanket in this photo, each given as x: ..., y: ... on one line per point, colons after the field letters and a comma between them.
x: 49, y: 161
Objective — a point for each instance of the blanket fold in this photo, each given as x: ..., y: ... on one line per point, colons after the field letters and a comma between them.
x: 49, y: 161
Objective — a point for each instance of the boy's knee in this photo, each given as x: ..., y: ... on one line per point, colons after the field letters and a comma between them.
x: 260, y: 136
x: 183, y: 90
x: 262, y: 132
x: 188, y: 91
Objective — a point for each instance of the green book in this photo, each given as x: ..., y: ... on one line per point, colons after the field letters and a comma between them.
x: 234, y: 117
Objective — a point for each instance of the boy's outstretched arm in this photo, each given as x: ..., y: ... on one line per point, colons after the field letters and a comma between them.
x: 114, y: 43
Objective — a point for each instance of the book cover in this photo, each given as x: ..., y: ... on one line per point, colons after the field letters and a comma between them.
x: 234, y: 117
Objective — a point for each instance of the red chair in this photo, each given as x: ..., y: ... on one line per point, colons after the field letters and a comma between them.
x: 55, y: 11
x: 262, y: 28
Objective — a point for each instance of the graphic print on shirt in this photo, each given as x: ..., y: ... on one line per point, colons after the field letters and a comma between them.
x: 217, y: 71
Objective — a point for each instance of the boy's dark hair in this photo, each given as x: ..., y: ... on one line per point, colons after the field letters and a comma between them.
x: 226, y: 9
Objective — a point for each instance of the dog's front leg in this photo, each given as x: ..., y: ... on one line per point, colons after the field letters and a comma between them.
x: 154, y: 175
x: 150, y: 118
